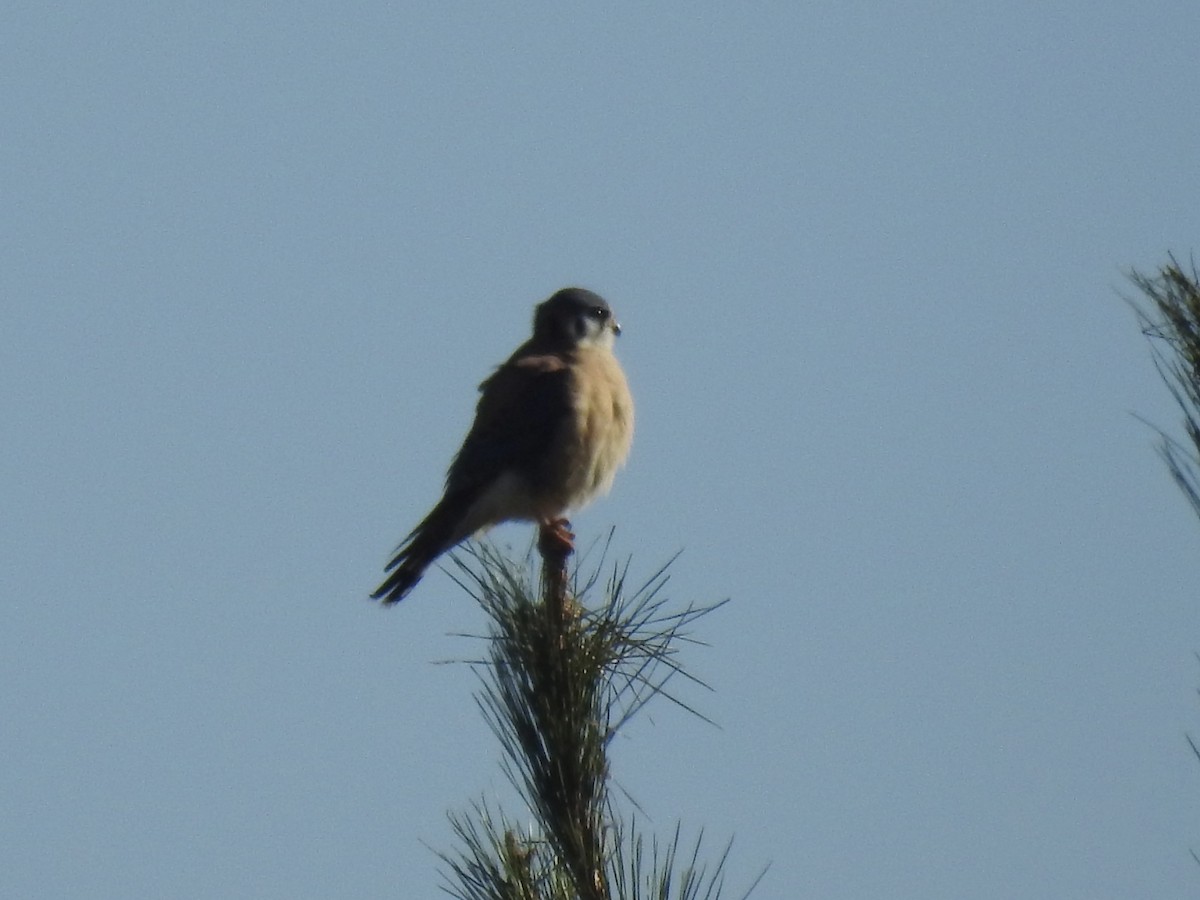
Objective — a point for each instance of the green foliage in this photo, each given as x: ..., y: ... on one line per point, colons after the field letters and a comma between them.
x: 559, y: 681
x: 1171, y: 320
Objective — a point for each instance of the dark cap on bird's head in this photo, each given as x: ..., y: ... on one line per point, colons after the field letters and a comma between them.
x: 576, y: 316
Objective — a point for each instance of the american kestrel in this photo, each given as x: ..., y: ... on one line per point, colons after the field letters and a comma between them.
x: 553, y: 425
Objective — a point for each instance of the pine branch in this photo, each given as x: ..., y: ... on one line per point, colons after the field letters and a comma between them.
x: 559, y: 681
x: 1171, y: 321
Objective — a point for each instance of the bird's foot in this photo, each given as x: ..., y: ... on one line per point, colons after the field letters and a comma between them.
x: 555, y: 539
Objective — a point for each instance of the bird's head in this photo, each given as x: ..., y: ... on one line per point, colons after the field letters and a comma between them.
x: 577, y: 318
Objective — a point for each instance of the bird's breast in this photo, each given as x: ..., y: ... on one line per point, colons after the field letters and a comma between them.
x: 597, y: 438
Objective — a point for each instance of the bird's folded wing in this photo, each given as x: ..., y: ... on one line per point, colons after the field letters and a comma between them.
x: 521, y: 409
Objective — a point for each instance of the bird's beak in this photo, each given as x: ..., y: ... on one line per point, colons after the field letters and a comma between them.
x: 616, y: 327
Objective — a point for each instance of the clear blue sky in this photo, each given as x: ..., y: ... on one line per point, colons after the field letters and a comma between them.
x: 257, y: 256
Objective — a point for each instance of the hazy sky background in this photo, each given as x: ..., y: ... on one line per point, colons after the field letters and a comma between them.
x: 257, y: 256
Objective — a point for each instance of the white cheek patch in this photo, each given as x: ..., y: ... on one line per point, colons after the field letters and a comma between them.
x: 599, y: 335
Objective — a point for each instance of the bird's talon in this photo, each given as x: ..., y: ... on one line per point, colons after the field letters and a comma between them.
x: 556, y: 538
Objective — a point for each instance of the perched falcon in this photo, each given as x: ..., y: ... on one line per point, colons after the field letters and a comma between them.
x: 553, y: 425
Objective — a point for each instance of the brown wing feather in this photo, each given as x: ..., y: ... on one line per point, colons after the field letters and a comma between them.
x: 520, y: 408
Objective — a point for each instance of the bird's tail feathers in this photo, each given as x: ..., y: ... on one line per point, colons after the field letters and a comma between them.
x: 437, y: 533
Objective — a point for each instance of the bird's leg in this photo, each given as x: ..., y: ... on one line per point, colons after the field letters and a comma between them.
x: 556, y: 543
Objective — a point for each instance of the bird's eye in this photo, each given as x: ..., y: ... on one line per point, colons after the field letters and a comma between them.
x: 598, y: 312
